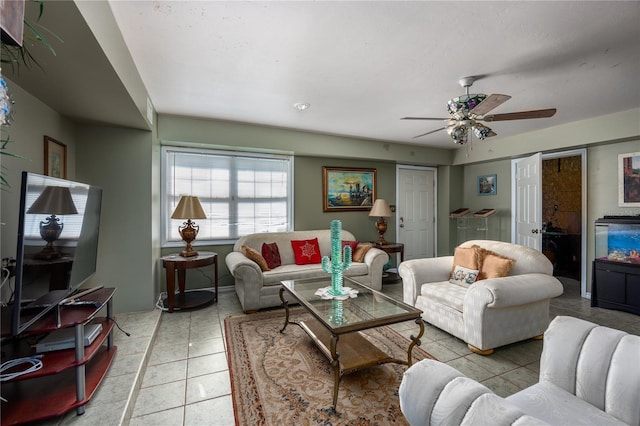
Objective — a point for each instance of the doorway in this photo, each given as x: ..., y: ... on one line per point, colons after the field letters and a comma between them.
x: 559, y: 216
x: 562, y: 214
x: 416, y: 210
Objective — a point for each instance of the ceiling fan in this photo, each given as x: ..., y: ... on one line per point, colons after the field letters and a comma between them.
x: 467, y: 112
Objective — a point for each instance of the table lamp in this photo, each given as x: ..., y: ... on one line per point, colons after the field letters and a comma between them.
x: 381, y: 209
x: 188, y: 208
x: 54, y: 200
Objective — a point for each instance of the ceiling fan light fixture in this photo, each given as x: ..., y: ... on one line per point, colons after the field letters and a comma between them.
x: 461, y: 105
x: 459, y: 133
x: 480, y: 131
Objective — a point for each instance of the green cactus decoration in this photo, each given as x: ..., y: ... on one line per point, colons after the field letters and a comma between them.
x: 336, y: 265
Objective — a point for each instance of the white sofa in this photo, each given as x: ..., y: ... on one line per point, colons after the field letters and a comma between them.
x: 490, y: 312
x: 589, y: 375
x: 259, y: 289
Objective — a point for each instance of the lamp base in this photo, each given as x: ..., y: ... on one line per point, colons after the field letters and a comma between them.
x: 188, y: 253
x: 381, y: 227
x: 47, y: 253
x: 381, y: 241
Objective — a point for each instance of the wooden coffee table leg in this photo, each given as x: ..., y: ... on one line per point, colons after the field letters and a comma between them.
x: 285, y: 304
x: 335, y: 363
x: 415, y: 341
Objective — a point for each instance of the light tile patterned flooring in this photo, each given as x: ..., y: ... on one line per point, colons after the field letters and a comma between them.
x: 179, y: 360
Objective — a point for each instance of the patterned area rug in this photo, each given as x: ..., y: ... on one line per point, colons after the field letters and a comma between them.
x: 284, y: 379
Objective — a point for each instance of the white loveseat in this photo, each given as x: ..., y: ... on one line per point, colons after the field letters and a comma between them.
x: 589, y: 375
x: 259, y: 289
x: 490, y: 312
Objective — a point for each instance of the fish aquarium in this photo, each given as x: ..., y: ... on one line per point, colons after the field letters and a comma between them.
x: 618, y: 239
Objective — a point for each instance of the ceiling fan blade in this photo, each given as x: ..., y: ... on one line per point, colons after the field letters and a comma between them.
x: 491, y: 102
x: 428, y: 133
x: 422, y: 118
x: 538, y: 113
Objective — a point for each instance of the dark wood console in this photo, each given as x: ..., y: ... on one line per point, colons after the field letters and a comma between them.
x: 68, y: 378
x: 616, y: 286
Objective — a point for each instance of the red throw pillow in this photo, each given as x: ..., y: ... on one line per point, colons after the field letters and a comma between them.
x: 271, y: 254
x: 306, y: 251
x: 352, y: 244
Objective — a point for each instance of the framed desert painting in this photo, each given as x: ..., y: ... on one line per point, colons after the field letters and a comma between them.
x: 348, y: 189
x: 629, y: 180
x: 55, y: 158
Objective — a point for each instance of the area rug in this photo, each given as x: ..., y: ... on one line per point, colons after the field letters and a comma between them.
x: 284, y: 379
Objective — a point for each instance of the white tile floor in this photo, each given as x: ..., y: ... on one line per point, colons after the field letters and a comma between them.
x: 179, y: 362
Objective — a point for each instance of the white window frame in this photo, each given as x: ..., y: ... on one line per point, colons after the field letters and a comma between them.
x: 169, y: 199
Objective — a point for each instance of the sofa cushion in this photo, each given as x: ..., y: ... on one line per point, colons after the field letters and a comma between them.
x: 271, y: 254
x: 360, y: 251
x: 306, y: 251
x: 445, y: 293
x: 256, y: 257
x: 297, y: 272
x: 556, y: 406
x: 464, y: 276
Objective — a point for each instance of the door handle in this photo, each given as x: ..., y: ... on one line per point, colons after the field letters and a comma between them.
x: 534, y: 231
x: 401, y: 222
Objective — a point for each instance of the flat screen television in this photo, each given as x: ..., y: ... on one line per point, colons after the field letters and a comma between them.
x: 57, y: 248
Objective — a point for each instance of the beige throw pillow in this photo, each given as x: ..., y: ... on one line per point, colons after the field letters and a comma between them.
x: 359, y: 252
x: 256, y: 257
x: 468, y: 257
x: 493, y: 265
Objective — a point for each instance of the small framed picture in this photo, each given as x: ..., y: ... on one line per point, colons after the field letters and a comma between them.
x: 629, y: 180
x: 55, y: 158
x: 488, y: 185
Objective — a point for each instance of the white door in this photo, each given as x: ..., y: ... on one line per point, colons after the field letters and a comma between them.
x: 415, y: 212
x: 528, y: 207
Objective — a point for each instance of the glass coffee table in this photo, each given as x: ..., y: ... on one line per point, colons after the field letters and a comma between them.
x: 336, y: 324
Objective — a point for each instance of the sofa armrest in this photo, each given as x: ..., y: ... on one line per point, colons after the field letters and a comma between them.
x: 375, y: 260
x: 416, y: 272
x: 433, y: 393
x: 513, y: 290
x: 243, y: 268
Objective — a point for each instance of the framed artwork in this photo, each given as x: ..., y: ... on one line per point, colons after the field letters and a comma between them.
x: 348, y: 189
x: 488, y: 185
x: 629, y: 180
x: 55, y: 158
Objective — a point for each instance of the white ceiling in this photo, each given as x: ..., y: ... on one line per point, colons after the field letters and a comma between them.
x: 363, y: 65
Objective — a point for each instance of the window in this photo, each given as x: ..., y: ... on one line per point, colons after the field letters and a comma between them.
x: 241, y: 193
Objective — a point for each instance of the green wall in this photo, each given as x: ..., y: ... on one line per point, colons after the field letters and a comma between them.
x: 308, y: 197
x: 121, y: 162
x: 125, y: 163
x: 500, y: 223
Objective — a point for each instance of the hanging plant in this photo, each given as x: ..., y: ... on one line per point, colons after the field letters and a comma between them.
x: 14, y: 55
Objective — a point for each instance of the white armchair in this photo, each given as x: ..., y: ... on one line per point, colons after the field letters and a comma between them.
x: 589, y: 375
x: 490, y: 312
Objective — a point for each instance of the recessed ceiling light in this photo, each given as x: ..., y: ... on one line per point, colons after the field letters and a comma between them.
x: 301, y: 106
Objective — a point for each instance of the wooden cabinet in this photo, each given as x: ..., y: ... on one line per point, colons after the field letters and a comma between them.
x: 616, y: 286
x: 68, y: 378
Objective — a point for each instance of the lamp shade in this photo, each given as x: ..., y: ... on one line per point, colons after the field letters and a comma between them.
x: 54, y: 200
x: 188, y: 208
x: 380, y: 208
